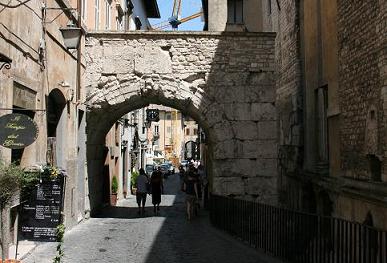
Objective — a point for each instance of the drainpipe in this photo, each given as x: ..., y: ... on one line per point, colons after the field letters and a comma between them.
x: 79, y: 55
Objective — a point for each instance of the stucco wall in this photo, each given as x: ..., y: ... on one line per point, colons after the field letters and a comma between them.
x: 252, y: 16
x: 40, y: 64
x: 225, y: 81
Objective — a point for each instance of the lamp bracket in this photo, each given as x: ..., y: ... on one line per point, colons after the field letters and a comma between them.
x: 5, y: 62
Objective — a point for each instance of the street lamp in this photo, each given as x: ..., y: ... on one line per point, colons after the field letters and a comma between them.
x: 71, y: 35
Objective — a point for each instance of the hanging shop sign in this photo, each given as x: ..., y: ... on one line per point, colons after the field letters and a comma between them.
x: 17, y: 131
x: 152, y: 115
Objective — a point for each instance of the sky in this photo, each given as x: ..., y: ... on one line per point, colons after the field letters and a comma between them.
x: 189, y: 7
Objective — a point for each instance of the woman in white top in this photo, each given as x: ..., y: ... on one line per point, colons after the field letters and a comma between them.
x: 142, y: 190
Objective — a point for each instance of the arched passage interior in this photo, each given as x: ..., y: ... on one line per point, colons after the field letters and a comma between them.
x: 101, y: 121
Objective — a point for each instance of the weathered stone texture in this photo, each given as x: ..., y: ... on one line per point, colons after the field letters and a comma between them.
x: 225, y: 81
x: 362, y: 49
x: 289, y: 92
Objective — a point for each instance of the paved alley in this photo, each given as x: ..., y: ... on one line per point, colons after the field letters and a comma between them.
x: 120, y: 235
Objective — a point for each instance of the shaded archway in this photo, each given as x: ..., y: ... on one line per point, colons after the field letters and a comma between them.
x: 56, y: 102
x: 225, y: 81
x: 100, y: 122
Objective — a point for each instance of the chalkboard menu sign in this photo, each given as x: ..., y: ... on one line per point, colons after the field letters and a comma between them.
x: 42, y: 212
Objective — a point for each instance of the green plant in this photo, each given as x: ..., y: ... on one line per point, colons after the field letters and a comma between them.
x: 11, y: 179
x: 114, y: 185
x: 133, y: 179
x: 50, y: 172
x: 60, y: 230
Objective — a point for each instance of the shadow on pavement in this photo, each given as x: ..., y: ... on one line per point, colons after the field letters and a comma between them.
x: 196, y: 241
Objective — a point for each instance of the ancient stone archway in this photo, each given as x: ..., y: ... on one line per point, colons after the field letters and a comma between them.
x: 223, y: 80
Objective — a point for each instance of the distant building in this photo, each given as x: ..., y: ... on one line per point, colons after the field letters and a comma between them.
x: 234, y: 15
x: 119, y: 14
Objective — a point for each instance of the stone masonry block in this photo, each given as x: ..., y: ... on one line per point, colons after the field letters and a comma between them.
x: 237, y: 167
x: 224, y: 149
x: 246, y: 149
x: 266, y: 167
x: 245, y: 130
x: 238, y: 111
x: 223, y: 131
x: 267, y: 149
x: 228, y: 186
x: 262, y: 187
x: 153, y: 60
x: 263, y: 111
x: 267, y: 130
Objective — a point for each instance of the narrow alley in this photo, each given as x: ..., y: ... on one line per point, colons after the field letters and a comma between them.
x: 120, y: 235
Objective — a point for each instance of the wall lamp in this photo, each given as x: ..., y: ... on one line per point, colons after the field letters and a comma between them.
x: 71, y: 33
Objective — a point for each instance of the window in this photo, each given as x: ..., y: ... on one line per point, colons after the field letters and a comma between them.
x: 156, y: 129
x: 84, y: 8
x: 119, y: 23
x: 375, y: 166
x: 168, y: 116
x: 96, y: 14
x: 269, y: 6
x: 235, y: 11
x: 138, y: 23
x: 108, y: 8
x: 187, y: 131
x: 195, y: 131
x: 143, y: 129
x: 321, y: 96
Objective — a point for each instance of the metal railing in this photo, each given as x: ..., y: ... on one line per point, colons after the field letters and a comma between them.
x: 298, y: 237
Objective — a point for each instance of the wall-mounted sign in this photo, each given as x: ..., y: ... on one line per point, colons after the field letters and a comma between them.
x: 17, y: 131
x: 152, y: 115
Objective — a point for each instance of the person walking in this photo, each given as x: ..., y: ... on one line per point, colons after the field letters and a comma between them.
x: 191, y: 191
x: 181, y: 176
x: 157, y: 187
x: 204, y: 183
x: 195, y: 174
x: 142, y: 190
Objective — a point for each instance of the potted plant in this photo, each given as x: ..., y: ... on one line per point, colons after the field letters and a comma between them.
x: 133, y: 182
x: 12, y: 179
x: 113, y: 195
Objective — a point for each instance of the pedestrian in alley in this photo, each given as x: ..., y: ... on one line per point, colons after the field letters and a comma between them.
x: 181, y: 175
x: 204, y: 182
x: 195, y: 174
x: 142, y: 190
x: 157, y: 187
x: 191, y: 191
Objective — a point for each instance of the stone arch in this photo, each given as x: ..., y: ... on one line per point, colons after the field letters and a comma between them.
x: 224, y: 81
x: 100, y: 121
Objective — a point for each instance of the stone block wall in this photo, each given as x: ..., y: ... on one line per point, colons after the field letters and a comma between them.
x: 362, y: 71
x: 284, y: 20
x: 223, y: 80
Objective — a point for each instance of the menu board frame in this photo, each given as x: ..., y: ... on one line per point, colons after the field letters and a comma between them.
x: 41, y: 213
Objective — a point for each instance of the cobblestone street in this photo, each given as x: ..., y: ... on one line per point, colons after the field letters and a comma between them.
x: 119, y: 235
